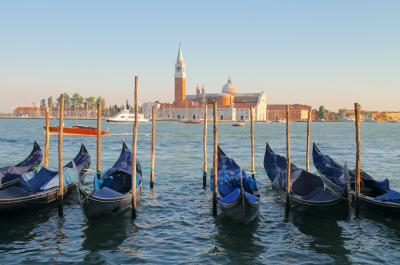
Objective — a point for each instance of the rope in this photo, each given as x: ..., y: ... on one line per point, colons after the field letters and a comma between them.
x: 145, y: 168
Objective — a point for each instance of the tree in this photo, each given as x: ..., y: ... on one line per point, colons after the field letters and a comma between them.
x: 90, y: 101
x: 332, y: 118
x: 390, y: 118
x: 321, y: 113
x: 101, y: 101
x: 368, y: 115
x: 43, y: 103
x: 66, y: 100
x: 342, y: 112
x: 75, y: 100
x: 385, y: 116
x: 50, y: 102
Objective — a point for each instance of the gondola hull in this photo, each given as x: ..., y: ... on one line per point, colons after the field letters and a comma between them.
x: 339, y: 209
x: 11, y: 207
x: 96, y: 207
x: 241, y: 210
x: 15, y: 182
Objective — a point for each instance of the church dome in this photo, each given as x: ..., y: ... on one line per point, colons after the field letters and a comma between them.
x: 229, y: 88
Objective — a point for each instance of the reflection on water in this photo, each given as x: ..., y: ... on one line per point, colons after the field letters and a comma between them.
x: 240, y: 243
x: 175, y: 224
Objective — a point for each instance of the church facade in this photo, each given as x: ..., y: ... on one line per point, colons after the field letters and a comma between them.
x: 232, y: 106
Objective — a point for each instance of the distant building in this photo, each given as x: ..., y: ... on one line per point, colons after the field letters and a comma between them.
x: 69, y: 112
x: 298, y: 112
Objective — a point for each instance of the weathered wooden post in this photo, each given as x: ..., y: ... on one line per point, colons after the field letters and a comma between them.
x: 358, y: 158
x: 308, y: 142
x: 252, y: 140
x: 98, y: 140
x: 215, y: 164
x: 60, y: 158
x: 46, y: 157
x: 288, y: 161
x: 153, y: 147
x: 205, y: 148
x: 135, y: 127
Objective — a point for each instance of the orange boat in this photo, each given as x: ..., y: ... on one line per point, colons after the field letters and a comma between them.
x: 191, y: 122
x: 77, y: 130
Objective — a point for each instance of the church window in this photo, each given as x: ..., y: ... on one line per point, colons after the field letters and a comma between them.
x: 178, y: 69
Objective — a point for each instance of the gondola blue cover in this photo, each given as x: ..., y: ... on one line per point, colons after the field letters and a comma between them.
x: 114, y: 177
x: 334, y: 172
x: 229, y: 182
x: 11, y: 173
x: 44, y: 179
x: 107, y: 193
x: 13, y: 192
x: 320, y: 194
x: 302, y: 183
x: 389, y: 196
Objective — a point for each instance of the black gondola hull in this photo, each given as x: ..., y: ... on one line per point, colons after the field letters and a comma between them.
x: 339, y: 209
x: 95, y: 207
x: 241, y: 210
x: 35, y: 202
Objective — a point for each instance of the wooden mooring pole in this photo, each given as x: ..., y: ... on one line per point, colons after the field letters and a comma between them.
x: 153, y: 147
x: 252, y: 140
x: 358, y: 158
x: 98, y: 140
x: 135, y: 127
x: 215, y: 164
x: 46, y: 150
x: 308, y: 142
x: 205, y: 148
x: 60, y: 158
x: 288, y: 161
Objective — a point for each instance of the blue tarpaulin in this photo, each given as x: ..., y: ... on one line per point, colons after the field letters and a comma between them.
x: 389, y: 196
x: 119, y: 177
x: 229, y: 181
x: 107, y: 193
x: 11, y: 173
x: 233, y: 196
x: 334, y: 172
x: 302, y: 183
x: 44, y: 179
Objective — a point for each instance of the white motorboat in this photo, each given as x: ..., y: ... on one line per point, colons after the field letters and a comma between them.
x: 126, y: 117
x: 346, y: 119
x: 370, y: 120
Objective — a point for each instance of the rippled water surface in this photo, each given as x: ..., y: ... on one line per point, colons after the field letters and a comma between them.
x: 174, y: 223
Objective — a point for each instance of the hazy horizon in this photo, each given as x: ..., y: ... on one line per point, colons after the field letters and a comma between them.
x: 309, y: 52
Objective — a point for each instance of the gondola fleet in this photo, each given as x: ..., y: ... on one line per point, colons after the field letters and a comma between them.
x: 329, y: 192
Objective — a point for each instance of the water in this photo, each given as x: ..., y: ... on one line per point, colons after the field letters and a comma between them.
x: 174, y: 223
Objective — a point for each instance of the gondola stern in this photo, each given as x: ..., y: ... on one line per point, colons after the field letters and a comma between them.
x: 315, y: 148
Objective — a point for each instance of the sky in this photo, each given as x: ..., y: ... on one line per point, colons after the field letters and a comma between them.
x: 331, y: 53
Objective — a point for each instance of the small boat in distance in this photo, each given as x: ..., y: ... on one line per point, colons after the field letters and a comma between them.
x: 241, y: 124
x: 124, y: 116
x: 191, y: 122
x: 77, y: 130
x: 370, y: 120
x: 346, y: 119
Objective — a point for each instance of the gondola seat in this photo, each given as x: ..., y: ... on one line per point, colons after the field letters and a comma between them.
x: 234, y: 195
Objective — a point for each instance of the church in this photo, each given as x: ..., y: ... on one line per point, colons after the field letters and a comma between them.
x: 232, y: 106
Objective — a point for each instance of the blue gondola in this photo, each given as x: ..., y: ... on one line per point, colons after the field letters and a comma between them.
x: 113, y: 190
x: 39, y: 188
x: 11, y: 175
x: 239, y: 197
x: 307, y: 191
x: 376, y: 196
